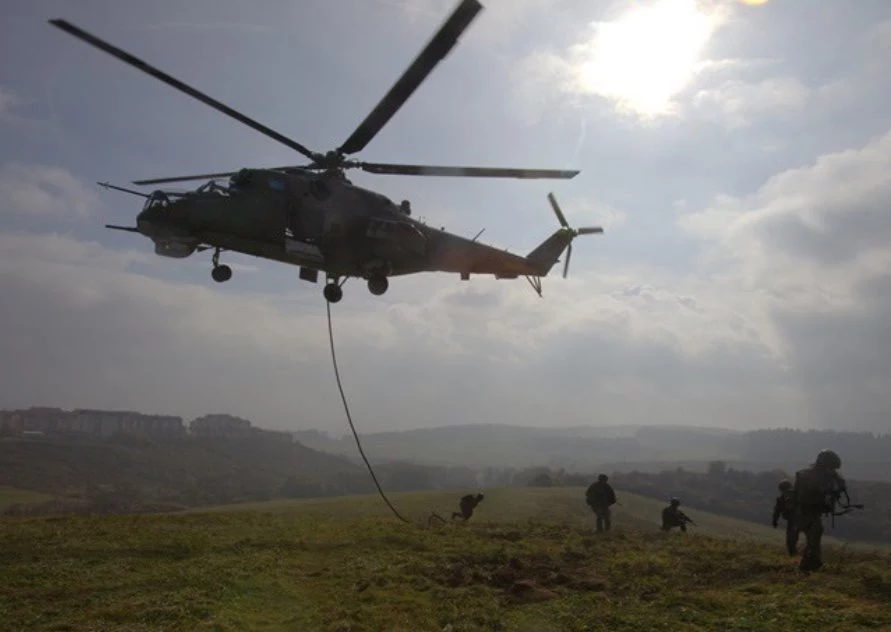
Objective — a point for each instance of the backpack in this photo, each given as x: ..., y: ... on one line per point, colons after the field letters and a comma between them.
x: 816, y: 489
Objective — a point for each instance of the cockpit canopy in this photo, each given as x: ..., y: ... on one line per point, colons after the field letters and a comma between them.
x: 157, y: 201
x: 241, y: 180
x: 250, y: 178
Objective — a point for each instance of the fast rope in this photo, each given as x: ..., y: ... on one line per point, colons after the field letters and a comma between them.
x: 349, y: 417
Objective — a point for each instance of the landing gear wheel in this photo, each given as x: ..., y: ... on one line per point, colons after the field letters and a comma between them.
x: 378, y: 284
x: 221, y: 273
x: 332, y: 292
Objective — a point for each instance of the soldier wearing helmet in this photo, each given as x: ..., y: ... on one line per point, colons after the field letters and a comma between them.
x: 467, y: 504
x: 816, y: 490
x: 672, y: 516
x: 600, y: 496
x: 785, y: 508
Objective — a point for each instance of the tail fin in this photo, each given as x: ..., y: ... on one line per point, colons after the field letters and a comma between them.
x: 543, y: 258
x: 548, y: 252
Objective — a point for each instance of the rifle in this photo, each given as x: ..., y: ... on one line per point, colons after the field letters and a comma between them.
x: 847, y: 507
x: 685, y: 518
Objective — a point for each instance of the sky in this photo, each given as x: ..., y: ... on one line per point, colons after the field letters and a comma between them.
x: 736, y: 153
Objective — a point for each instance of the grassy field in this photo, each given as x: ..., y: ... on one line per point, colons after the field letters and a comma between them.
x: 527, y: 561
x: 12, y: 496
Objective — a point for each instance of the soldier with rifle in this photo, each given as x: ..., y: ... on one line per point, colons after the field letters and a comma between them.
x: 784, y: 508
x: 600, y: 496
x: 818, y: 490
x: 672, y: 516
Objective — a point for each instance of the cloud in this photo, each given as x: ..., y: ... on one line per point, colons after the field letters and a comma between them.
x: 9, y: 100
x: 738, y: 103
x: 814, y: 245
x: 40, y: 190
x: 87, y: 328
x: 585, y: 211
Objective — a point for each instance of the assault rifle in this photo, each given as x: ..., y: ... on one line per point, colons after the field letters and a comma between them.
x: 684, y: 518
x: 846, y: 508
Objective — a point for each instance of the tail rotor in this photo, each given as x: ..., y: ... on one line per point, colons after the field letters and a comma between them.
x: 573, y: 232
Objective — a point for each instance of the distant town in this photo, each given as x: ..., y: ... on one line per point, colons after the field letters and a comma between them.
x: 46, y: 421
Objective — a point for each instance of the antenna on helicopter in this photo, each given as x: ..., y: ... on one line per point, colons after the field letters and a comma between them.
x: 106, y: 185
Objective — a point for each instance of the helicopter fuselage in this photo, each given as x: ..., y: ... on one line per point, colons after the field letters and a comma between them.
x: 319, y: 222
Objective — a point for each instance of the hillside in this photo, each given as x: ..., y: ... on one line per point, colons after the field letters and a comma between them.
x: 518, y: 505
x: 149, y: 474
x: 342, y: 564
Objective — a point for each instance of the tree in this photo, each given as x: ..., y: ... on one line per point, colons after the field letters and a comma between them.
x: 717, y: 469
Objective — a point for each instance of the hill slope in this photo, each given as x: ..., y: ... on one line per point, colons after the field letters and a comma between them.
x: 171, y: 474
x: 519, y: 505
x: 334, y: 565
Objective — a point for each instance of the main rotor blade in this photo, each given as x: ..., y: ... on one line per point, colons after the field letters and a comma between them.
x: 436, y: 49
x: 474, y: 172
x: 566, y: 263
x: 590, y: 230
x: 141, y: 65
x: 210, y: 176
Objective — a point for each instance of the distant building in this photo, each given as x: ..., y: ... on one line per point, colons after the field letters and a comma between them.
x: 102, y: 423
x: 221, y: 426
x: 35, y: 419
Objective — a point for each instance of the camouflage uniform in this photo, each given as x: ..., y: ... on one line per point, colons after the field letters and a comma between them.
x: 599, y: 497
x: 816, y: 489
x: 467, y: 504
x: 785, y: 508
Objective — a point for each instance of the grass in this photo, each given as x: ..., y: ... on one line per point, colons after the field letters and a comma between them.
x: 12, y: 496
x: 527, y: 561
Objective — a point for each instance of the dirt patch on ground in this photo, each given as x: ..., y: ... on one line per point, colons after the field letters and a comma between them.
x: 523, y: 579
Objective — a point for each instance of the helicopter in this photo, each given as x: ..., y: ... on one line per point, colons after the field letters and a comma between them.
x: 314, y: 217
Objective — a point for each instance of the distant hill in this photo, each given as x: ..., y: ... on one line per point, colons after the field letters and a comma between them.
x: 496, y: 445
x: 134, y: 474
x: 865, y: 456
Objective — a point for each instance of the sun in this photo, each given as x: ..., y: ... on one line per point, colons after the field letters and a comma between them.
x: 648, y: 55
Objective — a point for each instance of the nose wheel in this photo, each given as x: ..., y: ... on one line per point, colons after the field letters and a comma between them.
x: 220, y: 273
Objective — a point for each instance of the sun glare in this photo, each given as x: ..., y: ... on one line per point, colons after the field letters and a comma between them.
x: 645, y: 57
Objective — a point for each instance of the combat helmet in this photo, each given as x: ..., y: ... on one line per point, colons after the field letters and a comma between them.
x: 603, y: 478
x: 785, y: 485
x: 828, y: 460
x: 674, y: 501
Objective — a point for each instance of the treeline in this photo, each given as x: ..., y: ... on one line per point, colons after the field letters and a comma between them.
x: 647, y: 448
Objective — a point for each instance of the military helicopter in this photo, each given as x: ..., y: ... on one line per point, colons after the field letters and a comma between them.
x: 314, y: 217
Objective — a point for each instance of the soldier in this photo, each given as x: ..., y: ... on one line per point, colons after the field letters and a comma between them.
x: 672, y: 516
x: 599, y: 497
x: 467, y: 504
x: 784, y: 508
x: 816, y: 490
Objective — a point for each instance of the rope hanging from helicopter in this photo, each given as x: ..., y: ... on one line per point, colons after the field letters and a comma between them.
x: 349, y: 417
